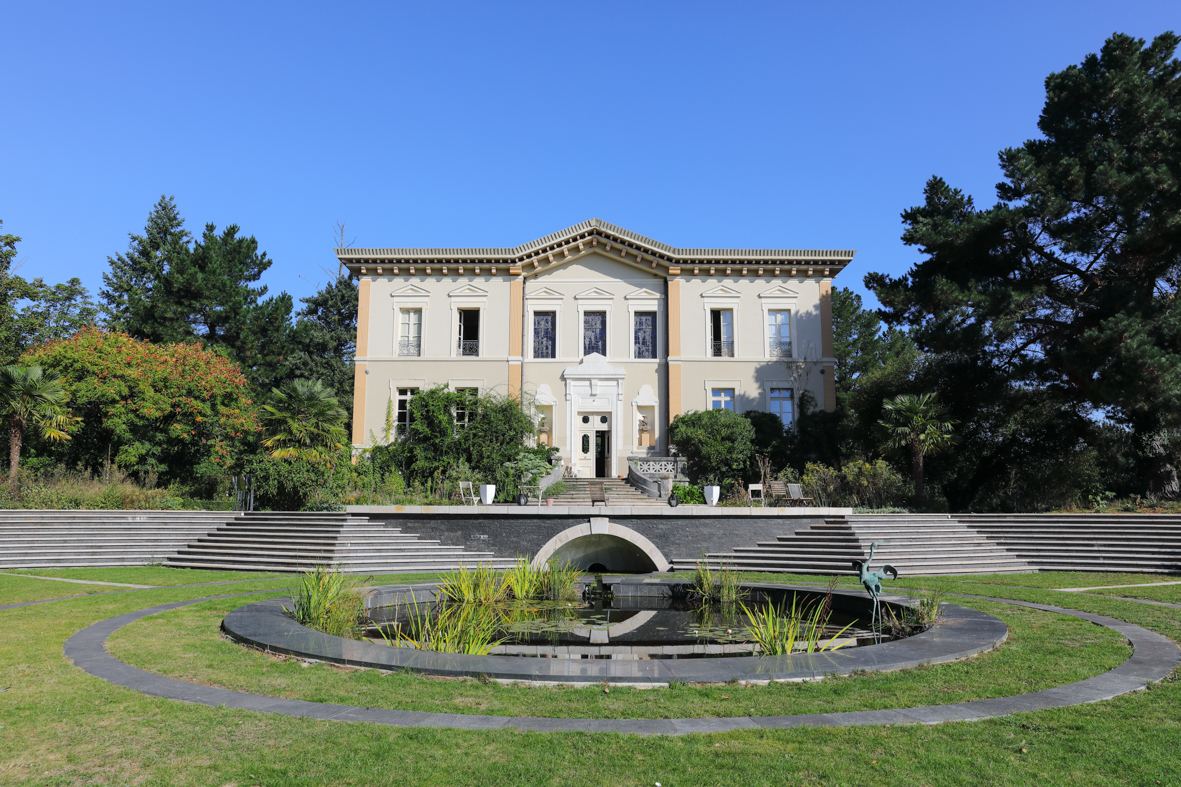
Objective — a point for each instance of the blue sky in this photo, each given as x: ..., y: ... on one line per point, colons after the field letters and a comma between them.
x: 489, y: 124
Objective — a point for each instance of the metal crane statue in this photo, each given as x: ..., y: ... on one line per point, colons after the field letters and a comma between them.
x: 872, y: 582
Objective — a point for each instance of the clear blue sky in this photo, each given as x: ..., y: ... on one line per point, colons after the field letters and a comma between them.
x: 776, y: 125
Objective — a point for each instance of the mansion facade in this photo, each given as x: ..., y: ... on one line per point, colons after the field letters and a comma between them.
x: 608, y: 334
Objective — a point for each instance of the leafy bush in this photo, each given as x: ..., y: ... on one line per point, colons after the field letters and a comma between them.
x: 690, y: 495
x: 717, y: 444
x: 176, y: 410
x: 871, y: 486
x: 58, y: 489
x: 293, y: 484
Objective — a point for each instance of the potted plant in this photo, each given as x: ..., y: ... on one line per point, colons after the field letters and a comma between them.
x: 712, y: 491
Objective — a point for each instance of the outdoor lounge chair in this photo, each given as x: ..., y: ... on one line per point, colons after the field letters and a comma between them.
x: 597, y: 493
x: 797, y: 496
x: 777, y: 492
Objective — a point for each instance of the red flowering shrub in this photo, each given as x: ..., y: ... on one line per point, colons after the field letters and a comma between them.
x: 179, y: 410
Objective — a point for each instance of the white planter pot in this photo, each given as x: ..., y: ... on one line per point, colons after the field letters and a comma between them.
x: 487, y: 493
x: 712, y: 493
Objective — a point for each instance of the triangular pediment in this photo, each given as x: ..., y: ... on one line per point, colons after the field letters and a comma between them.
x: 721, y: 291
x: 643, y: 294
x: 779, y: 291
x: 595, y: 293
x: 410, y: 290
x: 545, y: 293
x: 469, y: 290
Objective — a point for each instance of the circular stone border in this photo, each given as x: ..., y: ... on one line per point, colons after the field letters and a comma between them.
x: 1153, y: 658
x: 962, y: 632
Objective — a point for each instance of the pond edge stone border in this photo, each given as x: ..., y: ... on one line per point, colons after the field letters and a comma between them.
x: 1154, y: 657
x: 962, y: 632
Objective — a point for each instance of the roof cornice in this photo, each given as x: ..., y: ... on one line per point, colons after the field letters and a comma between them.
x: 661, y: 253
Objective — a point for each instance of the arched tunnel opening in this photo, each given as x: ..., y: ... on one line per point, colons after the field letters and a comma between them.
x: 605, y: 554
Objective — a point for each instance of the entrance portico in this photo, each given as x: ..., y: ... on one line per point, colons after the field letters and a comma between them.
x: 594, y: 408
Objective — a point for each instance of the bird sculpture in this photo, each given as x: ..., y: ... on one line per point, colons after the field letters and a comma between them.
x: 872, y: 582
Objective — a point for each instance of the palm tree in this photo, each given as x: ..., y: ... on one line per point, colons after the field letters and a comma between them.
x: 919, y: 425
x: 31, y: 397
x: 304, y: 420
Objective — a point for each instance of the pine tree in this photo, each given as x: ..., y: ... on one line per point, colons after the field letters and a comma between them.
x: 324, y: 341
x: 130, y: 287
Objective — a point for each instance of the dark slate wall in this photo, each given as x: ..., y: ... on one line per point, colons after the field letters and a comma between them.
x: 679, y: 538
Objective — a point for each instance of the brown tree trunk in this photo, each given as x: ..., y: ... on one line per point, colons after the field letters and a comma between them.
x: 15, y: 437
x: 916, y: 463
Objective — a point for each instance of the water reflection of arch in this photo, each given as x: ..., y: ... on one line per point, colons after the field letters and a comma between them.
x: 601, y: 635
x: 601, y: 541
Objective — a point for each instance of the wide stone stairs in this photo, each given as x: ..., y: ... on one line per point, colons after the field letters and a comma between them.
x: 619, y: 493
x: 79, y: 539
x: 1139, y: 543
x: 915, y: 544
x: 290, y: 542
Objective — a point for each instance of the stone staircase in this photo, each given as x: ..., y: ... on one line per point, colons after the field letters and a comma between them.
x: 290, y: 542
x: 1140, y: 543
x: 78, y: 539
x: 619, y: 493
x: 915, y: 544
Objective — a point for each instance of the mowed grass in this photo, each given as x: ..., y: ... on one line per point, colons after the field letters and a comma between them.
x: 1168, y: 593
x: 63, y: 727
x: 1043, y: 650
x: 15, y: 589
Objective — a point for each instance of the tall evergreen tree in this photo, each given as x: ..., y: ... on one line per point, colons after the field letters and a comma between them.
x: 1071, y: 280
x: 12, y: 290
x: 130, y: 289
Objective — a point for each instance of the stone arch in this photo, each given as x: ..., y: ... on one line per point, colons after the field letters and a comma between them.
x: 602, y: 541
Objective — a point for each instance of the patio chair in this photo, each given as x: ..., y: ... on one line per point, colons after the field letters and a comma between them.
x: 751, y: 490
x: 467, y: 494
x: 797, y: 496
x: 777, y: 492
x: 597, y: 493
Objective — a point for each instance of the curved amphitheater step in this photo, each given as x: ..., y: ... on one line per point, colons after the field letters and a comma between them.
x: 915, y: 544
x: 266, y: 541
x: 619, y: 493
x: 79, y: 539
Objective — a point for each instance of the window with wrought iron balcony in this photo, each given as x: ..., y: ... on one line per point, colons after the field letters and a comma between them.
x: 721, y: 333
x: 410, y: 332
x: 469, y: 332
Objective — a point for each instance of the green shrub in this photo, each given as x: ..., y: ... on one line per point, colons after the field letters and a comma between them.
x: 690, y: 495
x: 717, y: 444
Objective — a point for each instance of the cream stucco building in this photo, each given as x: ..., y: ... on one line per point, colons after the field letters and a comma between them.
x: 609, y: 333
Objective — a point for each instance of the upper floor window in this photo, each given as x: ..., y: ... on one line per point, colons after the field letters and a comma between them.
x: 469, y: 332
x: 410, y: 332
x: 645, y: 335
x: 404, y: 415
x: 545, y: 335
x: 721, y: 333
x: 721, y: 399
x: 594, y: 333
x: 780, y: 403
x: 779, y: 333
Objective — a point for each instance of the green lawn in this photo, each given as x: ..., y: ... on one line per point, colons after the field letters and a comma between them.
x: 14, y: 590
x: 1168, y: 593
x: 61, y: 726
x: 148, y: 575
x: 1043, y: 650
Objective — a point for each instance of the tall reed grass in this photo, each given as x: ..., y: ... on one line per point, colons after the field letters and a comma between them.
x: 479, y: 585
x: 330, y: 601
x: 450, y: 628
x: 780, y: 631
x: 720, y: 587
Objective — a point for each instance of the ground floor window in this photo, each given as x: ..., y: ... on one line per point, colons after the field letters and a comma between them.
x: 463, y: 410
x: 721, y: 399
x: 780, y: 403
x: 404, y: 397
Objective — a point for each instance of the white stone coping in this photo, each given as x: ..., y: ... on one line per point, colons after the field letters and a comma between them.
x: 608, y: 511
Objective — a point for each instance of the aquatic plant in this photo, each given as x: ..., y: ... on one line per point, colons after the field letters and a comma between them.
x: 451, y: 628
x: 479, y: 585
x: 780, y: 631
x: 721, y: 586
x: 328, y: 600
x: 913, y: 620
